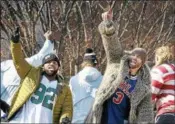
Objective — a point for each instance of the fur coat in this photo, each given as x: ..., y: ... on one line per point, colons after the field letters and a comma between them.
x: 116, y: 71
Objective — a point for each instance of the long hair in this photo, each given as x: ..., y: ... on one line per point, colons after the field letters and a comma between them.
x: 165, y: 55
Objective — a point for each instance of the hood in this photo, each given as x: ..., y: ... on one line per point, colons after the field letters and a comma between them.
x: 89, y: 74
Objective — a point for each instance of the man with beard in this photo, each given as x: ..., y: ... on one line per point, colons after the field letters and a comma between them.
x: 124, y: 95
x: 10, y: 80
x: 41, y: 97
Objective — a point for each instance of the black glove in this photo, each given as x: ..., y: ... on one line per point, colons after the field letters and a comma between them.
x: 15, y: 36
x: 4, y: 106
x: 66, y: 120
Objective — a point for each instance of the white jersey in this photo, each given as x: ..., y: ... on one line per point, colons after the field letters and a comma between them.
x: 9, y: 78
x: 39, y: 108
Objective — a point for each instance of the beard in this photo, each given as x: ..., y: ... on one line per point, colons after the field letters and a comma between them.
x: 50, y: 73
x: 131, y: 66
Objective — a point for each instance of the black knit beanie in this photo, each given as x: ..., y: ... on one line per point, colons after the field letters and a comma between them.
x: 90, y: 55
x: 50, y: 57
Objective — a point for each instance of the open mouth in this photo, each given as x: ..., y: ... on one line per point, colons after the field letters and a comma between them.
x: 133, y: 62
x: 51, y: 68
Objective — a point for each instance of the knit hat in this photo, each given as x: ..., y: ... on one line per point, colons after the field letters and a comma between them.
x: 90, y: 55
x: 141, y: 52
x: 50, y: 57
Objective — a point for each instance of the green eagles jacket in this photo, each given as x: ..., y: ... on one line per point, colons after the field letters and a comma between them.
x: 30, y: 79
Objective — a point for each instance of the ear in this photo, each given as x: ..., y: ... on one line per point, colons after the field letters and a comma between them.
x: 157, y: 60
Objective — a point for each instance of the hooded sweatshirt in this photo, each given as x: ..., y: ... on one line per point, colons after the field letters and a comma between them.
x: 83, y: 86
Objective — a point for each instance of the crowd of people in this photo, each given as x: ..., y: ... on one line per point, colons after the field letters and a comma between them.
x: 32, y: 91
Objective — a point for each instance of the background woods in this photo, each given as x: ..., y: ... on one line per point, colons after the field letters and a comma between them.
x: 146, y: 24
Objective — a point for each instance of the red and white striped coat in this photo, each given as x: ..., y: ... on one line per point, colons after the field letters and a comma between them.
x: 163, y: 88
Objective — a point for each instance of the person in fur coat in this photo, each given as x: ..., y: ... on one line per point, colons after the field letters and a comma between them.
x: 124, y: 95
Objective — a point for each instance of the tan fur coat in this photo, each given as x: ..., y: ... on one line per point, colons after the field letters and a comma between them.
x: 116, y: 71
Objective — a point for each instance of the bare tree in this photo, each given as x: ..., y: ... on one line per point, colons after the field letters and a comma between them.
x: 146, y: 24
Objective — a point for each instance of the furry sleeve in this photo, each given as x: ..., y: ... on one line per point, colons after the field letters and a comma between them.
x: 110, y: 41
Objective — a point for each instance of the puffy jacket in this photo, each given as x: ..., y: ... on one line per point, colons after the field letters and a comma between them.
x: 10, y: 80
x: 30, y: 77
x: 83, y: 87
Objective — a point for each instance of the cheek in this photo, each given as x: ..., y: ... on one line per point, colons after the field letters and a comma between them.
x: 45, y: 66
x: 57, y: 67
x: 139, y: 61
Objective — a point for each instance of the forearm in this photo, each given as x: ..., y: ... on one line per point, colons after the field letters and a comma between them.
x: 22, y: 67
x: 110, y: 41
x: 36, y: 60
x: 47, y: 48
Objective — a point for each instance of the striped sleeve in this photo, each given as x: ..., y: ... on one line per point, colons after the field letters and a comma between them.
x: 156, y: 82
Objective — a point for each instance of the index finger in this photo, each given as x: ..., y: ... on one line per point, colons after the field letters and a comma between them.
x: 17, y: 29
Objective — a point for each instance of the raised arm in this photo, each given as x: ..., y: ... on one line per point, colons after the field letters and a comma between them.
x: 48, y: 47
x: 21, y: 65
x: 110, y: 40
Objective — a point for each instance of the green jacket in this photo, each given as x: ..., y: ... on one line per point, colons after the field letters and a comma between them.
x: 30, y: 79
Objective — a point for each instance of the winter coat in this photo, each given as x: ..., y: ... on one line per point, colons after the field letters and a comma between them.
x: 83, y: 86
x: 10, y: 80
x: 116, y: 71
x: 31, y: 77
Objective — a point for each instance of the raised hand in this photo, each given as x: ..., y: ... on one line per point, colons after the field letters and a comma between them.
x: 107, y: 15
x: 16, y: 35
x: 66, y: 120
x: 107, y: 26
x: 49, y: 35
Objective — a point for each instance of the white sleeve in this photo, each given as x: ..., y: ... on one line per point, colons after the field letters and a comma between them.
x: 36, y: 60
x: 6, y: 65
x: 70, y: 84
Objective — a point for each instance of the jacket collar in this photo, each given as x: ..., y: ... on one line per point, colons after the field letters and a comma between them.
x: 142, y: 87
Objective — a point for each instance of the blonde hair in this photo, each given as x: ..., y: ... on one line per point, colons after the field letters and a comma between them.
x: 165, y: 55
x: 87, y: 63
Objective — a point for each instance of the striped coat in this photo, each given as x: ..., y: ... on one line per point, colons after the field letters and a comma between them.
x: 163, y: 88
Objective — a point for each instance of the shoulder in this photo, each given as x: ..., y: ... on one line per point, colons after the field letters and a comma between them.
x: 161, y: 69
x: 72, y: 80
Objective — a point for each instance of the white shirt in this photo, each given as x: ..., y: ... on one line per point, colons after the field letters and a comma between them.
x: 39, y: 108
x: 9, y: 77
